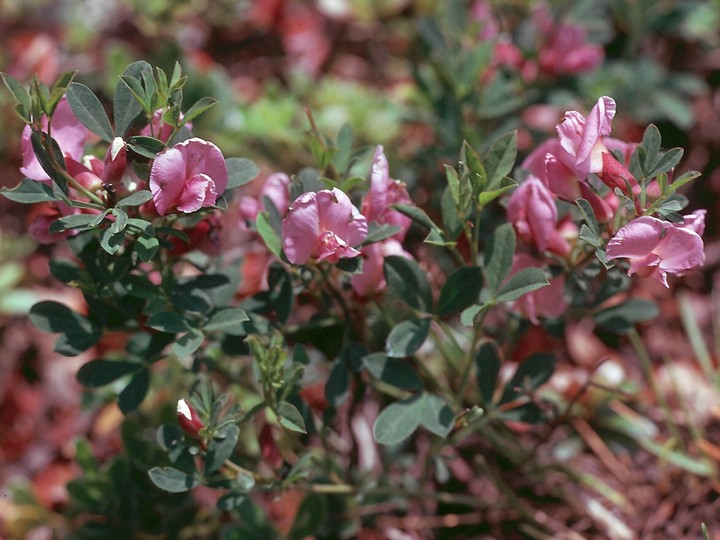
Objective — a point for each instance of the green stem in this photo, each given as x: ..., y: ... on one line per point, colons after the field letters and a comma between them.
x: 470, y: 360
x: 646, y: 364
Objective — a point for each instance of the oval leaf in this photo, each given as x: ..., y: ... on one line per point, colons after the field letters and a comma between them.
x: 499, y: 255
x: 290, y: 417
x: 437, y: 416
x: 240, y: 171
x: 221, y: 448
x: 127, y: 108
x: 523, y: 282
x: 134, y: 393
x: 623, y: 317
x: 188, y: 344
x: 398, y: 421
x: 228, y: 320
x: 531, y: 373
x: 100, y: 372
x: 29, y: 191
x: 392, y: 371
x: 87, y: 108
x: 168, y: 321
x: 172, y: 480
x: 408, y: 282
x: 461, y: 290
x: 407, y: 337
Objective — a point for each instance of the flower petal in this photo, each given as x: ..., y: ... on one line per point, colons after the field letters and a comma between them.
x: 301, y: 229
x: 637, y: 239
x: 199, y: 191
x: 167, y: 179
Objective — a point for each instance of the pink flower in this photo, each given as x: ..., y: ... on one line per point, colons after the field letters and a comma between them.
x: 323, y: 225
x: 188, y: 176
x: 531, y: 209
x: 568, y: 52
x: 276, y: 188
x: 584, y: 139
x: 383, y: 192
x: 372, y: 279
x: 67, y: 131
x: 656, y: 248
x: 554, y: 166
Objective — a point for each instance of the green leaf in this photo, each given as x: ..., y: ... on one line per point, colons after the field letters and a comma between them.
x: 418, y: 215
x: 338, y: 384
x: 188, y: 344
x: 380, y: 231
x: 87, y: 108
x: 505, y: 184
x: 522, y: 282
x: 199, y: 107
x: 126, y: 106
x: 240, y: 171
x: 450, y: 218
x: 500, y: 159
x: 473, y: 314
x: 460, y: 291
x: 75, y: 221
x: 437, y: 416
x: 290, y: 417
x: 100, y: 372
x: 407, y: 337
x: 623, y: 317
x: 392, y: 371
x: 134, y: 393
x: 221, y: 447
x: 58, y: 89
x: 148, y: 147
x: 20, y: 94
x: 29, y: 191
x: 530, y: 374
x: 588, y: 214
x: 172, y: 480
x: 682, y: 180
x: 111, y: 241
x: 168, y: 321
x: 487, y: 369
x: 587, y: 235
x: 77, y: 333
x: 63, y: 270
x: 146, y: 247
x: 472, y: 167
x: 499, y: 256
x: 667, y: 161
x: 408, y: 282
x: 310, y: 518
x: 398, y: 421
x: 460, y: 198
x: 268, y: 234
x: 228, y: 320
x: 37, y: 141
x: 135, y: 199
x: 651, y: 142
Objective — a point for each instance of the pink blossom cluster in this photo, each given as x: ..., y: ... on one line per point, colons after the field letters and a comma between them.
x: 184, y: 178
x: 562, y: 169
x: 560, y: 48
x: 326, y: 226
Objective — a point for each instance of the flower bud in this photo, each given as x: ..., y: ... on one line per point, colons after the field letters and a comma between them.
x: 115, y: 161
x: 188, y: 418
